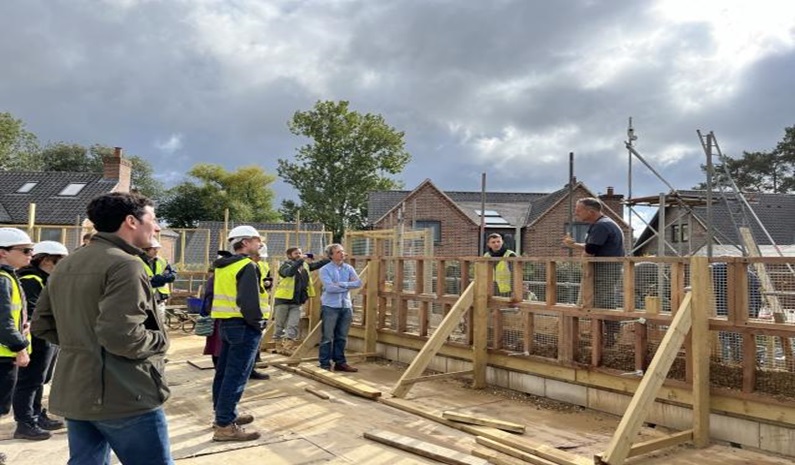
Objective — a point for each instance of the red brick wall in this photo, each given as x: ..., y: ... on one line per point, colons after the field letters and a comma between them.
x: 543, y: 239
x: 459, y: 234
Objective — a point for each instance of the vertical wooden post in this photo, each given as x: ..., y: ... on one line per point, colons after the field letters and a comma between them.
x: 371, y: 309
x: 702, y: 297
x: 32, y: 221
x: 420, y: 289
x: 552, y: 284
x: 677, y: 285
x: 629, y: 286
x: 399, y: 310
x: 480, y: 323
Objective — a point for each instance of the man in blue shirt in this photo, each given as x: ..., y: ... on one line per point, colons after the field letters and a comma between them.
x: 604, y: 239
x: 336, y: 309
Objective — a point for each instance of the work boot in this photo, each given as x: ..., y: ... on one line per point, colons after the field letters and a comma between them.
x: 345, y: 367
x: 234, y: 432
x: 258, y: 375
x: 31, y: 431
x: 242, y: 419
x: 47, y: 423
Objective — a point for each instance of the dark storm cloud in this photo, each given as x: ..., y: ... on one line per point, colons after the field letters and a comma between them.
x: 503, y: 87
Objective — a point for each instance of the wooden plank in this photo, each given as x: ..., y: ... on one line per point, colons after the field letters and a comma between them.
x: 484, y: 421
x: 701, y: 280
x: 308, y: 344
x: 629, y: 286
x: 424, y: 449
x: 482, y: 291
x: 450, y: 374
x: 621, y: 442
x: 498, y: 458
x: 317, y: 393
x: 552, y: 284
x: 509, y: 439
x: 202, y: 364
x: 641, y: 345
x: 421, y: 361
x: 661, y: 443
x: 399, y: 310
x: 677, y: 284
x: 512, y: 452
x: 596, y: 342
x: 342, y: 382
x: 371, y: 307
x: 528, y: 330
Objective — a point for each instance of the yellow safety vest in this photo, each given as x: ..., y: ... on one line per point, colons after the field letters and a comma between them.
x: 17, y: 306
x: 286, y: 287
x: 225, y: 290
x: 264, y: 298
x: 160, y: 267
x: 502, y: 273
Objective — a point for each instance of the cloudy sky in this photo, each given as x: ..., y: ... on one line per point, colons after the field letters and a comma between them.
x: 506, y: 87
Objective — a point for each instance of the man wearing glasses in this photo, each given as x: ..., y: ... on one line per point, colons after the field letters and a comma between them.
x: 15, y: 251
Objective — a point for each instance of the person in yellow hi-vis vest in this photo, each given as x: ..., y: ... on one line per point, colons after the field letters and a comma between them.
x: 160, y: 273
x: 236, y: 303
x: 502, y: 269
x: 16, y: 249
x: 261, y: 259
x: 33, y: 423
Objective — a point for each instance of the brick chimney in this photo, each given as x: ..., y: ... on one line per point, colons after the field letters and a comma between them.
x: 613, y: 201
x: 115, y: 167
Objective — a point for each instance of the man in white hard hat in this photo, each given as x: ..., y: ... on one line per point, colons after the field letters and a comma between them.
x: 15, y: 251
x: 99, y: 307
x: 160, y: 273
x: 236, y: 303
x: 33, y: 423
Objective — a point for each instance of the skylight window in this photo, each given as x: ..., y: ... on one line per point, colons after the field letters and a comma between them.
x: 72, y: 189
x: 27, y: 187
x: 493, y: 218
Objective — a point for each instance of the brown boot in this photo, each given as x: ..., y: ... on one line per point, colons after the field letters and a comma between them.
x: 234, y: 432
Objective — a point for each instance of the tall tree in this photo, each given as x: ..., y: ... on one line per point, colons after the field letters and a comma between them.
x: 245, y: 192
x: 350, y: 155
x: 772, y: 171
x: 18, y: 146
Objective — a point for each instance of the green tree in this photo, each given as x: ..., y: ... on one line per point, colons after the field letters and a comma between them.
x: 291, y: 211
x: 772, y: 171
x: 245, y: 192
x: 18, y: 146
x: 350, y: 155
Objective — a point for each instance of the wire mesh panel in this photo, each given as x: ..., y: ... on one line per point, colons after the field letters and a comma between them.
x: 534, y: 277
x: 545, y: 335
x: 568, y: 278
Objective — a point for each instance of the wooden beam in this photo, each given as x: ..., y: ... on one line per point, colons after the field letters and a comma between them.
x: 423, y: 449
x: 342, y: 382
x: 660, y: 443
x: 619, y: 446
x: 498, y: 458
x: 371, y: 307
x: 317, y: 393
x: 701, y: 282
x: 421, y: 361
x: 480, y: 322
x: 451, y: 374
x: 484, y: 421
x: 310, y: 341
x: 512, y: 452
x: 629, y: 286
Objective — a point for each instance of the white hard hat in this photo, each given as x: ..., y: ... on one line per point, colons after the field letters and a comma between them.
x: 50, y: 248
x: 155, y: 244
x: 10, y: 237
x: 241, y: 232
x: 263, y: 251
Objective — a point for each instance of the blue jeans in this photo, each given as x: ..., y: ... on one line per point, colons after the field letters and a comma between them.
x: 239, y: 347
x: 336, y: 322
x: 136, y: 440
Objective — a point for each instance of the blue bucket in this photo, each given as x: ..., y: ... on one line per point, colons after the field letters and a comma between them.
x: 194, y: 304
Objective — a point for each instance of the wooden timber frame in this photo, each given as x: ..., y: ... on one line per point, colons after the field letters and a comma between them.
x: 469, y: 331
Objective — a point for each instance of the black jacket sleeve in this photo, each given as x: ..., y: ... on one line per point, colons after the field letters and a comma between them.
x: 248, y: 295
x: 319, y: 264
x: 290, y: 268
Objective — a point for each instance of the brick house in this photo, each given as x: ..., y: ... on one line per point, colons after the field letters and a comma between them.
x: 685, y: 228
x: 532, y: 224
x: 60, y: 198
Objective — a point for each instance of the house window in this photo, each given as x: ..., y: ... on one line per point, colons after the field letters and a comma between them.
x: 493, y: 218
x: 27, y: 187
x: 578, y: 231
x: 72, y: 189
x: 680, y: 233
x: 434, y: 226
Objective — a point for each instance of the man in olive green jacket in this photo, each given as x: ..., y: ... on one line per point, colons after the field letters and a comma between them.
x: 99, y: 307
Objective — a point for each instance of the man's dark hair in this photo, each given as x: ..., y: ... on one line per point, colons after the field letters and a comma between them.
x: 108, y: 211
x: 493, y: 235
x: 290, y: 251
x: 592, y: 203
